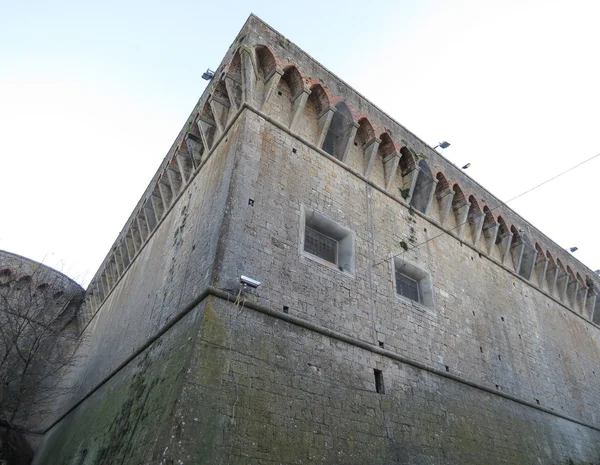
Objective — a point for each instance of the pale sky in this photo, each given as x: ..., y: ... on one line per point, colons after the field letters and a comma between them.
x: 92, y: 95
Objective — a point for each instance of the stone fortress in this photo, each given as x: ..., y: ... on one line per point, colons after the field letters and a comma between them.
x: 404, y: 314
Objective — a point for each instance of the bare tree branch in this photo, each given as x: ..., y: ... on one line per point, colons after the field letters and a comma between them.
x: 37, y: 344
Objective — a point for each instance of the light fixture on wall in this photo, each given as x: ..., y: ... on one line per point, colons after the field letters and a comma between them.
x: 442, y: 145
x: 208, y: 75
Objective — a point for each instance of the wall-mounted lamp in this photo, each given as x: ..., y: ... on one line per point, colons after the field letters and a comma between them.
x: 442, y: 145
x: 208, y: 75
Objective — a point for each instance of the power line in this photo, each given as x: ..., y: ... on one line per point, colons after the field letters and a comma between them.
x: 491, y: 209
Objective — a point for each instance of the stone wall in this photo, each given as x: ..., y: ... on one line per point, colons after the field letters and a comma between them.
x: 326, y: 364
x: 172, y: 269
x: 280, y: 393
x: 128, y: 419
x: 487, y: 325
x: 236, y: 383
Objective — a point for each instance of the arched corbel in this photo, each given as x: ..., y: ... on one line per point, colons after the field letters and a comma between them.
x: 461, y: 211
x: 249, y: 73
x: 158, y: 205
x: 96, y: 299
x: 504, y: 245
x: 390, y: 165
x: 220, y: 109
x: 414, y: 174
x: 136, y: 237
x: 119, y: 263
x: 445, y: 199
x: 298, y: 104
x: 100, y: 290
x: 551, y: 278
x: 527, y: 262
x: 166, y: 192
x: 177, y: 172
x: 562, y: 282
x: 540, y: 268
x: 208, y: 131
x: 348, y: 135
x: 271, y: 83
x: 516, y: 250
x: 131, y: 245
x: 103, y: 287
x: 572, y: 291
x: 324, y: 121
x: 143, y: 226
x: 107, y: 279
x: 590, y: 303
x: 234, y: 90
x: 478, y: 227
x: 490, y: 232
x: 189, y: 159
x: 431, y: 194
x: 150, y: 216
x: 125, y: 253
x: 581, y: 298
x: 114, y: 271
x: 194, y: 151
x: 370, y: 154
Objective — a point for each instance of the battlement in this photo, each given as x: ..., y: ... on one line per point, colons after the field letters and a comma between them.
x: 287, y: 87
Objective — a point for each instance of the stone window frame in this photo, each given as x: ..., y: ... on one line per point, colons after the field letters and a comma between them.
x: 417, y: 273
x: 344, y: 236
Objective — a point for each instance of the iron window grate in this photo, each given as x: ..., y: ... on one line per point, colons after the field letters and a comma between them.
x: 320, y: 245
x: 407, y: 287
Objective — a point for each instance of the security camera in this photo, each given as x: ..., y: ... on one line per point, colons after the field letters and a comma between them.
x: 249, y: 282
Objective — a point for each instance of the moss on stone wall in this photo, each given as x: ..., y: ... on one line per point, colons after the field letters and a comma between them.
x: 128, y: 419
x: 260, y: 390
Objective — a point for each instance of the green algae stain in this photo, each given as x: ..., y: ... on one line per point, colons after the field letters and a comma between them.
x: 215, y: 334
x: 125, y: 419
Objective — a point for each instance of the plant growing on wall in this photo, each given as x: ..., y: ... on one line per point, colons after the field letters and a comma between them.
x: 38, y: 338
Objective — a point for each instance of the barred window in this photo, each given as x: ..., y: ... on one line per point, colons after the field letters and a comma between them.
x: 326, y: 241
x: 412, y: 282
x: 320, y: 245
x: 407, y: 287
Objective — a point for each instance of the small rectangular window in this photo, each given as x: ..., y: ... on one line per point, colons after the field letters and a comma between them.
x: 412, y: 282
x: 326, y: 241
x: 407, y: 287
x: 320, y: 245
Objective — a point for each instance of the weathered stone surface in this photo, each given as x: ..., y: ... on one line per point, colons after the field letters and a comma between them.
x: 500, y: 366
